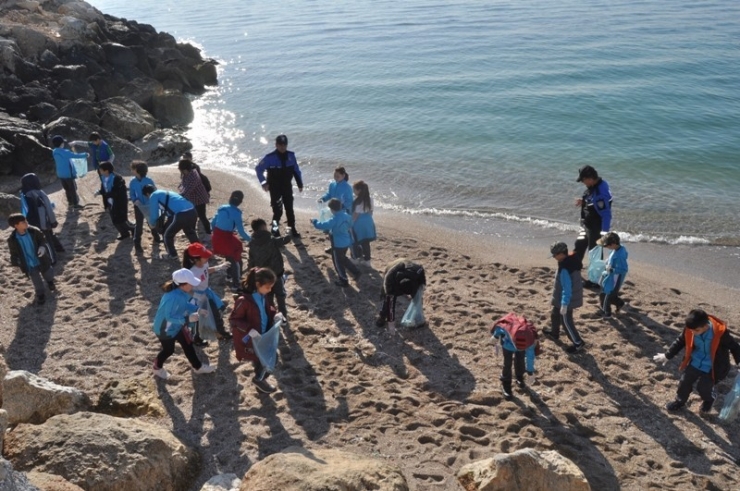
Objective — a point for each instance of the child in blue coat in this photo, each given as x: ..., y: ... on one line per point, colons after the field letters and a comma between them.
x: 339, y: 226
x: 614, y: 274
x: 519, y: 340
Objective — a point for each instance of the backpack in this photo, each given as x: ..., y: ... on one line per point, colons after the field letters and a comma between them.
x: 206, y: 182
x: 522, y: 332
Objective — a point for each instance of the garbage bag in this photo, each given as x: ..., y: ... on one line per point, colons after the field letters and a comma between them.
x: 266, y: 346
x: 414, y: 315
x: 731, y: 407
x: 324, y: 212
x: 80, y: 166
x: 596, y: 265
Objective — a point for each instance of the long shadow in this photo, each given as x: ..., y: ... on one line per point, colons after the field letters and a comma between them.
x: 27, y: 350
x: 120, y: 272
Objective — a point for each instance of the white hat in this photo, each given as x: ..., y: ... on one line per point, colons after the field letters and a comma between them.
x: 182, y: 276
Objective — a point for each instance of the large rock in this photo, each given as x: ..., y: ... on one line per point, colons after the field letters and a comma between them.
x: 11, y: 480
x: 9, y: 203
x: 75, y: 129
x: 3, y: 426
x: 51, y: 482
x: 130, y: 397
x: 30, y: 40
x: 80, y: 109
x: 3, y: 372
x: 141, y: 90
x: 30, y: 155
x: 103, y: 453
x: 70, y: 90
x: 523, y: 470
x: 172, y: 109
x: 163, y: 146
x: 298, y: 469
x: 29, y: 398
x: 222, y: 482
x: 125, y: 118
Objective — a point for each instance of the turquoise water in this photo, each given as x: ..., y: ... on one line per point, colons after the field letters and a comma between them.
x: 482, y: 109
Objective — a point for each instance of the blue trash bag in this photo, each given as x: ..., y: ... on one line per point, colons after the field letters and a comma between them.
x: 266, y: 347
x: 596, y: 265
x: 731, y: 407
x: 80, y: 166
x: 414, y: 315
x: 324, y: 212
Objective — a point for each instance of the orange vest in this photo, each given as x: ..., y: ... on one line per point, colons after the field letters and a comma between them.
x: 718, y: 326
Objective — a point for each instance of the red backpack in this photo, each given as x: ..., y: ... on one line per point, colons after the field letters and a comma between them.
x: 522, y: 332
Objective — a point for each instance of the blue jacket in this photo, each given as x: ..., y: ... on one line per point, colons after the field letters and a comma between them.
x: 229, y: 218
x: 342, y: 191
x: 339, y: 226
x: 65, y: 169
x: 616, y: 270
x: 599, y: 199
x: 176, y: 204
x: 135, y: 189
x: 100, y: 153
x: 173, y: 312
x: 508, y: 345
x: 568, y: 288
x: 277, y: 172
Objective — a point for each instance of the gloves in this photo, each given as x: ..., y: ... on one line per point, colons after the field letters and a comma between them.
x: 41, y: 251
x: 563, y: 309
x: 193, y: 317
x: 660, y: 358
x: 279, y: 317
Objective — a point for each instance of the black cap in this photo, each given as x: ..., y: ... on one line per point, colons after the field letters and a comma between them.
x: 586, y: 172
x: 281, y: 140
x: 57, y: 140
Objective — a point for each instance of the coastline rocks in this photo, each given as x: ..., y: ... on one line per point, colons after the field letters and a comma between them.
x: 79, y: 109
x: 299, y: 469
x: 103, y: 453
x: 11, y: 480
x: 29, y: 398
x: 74, y: 129
x: 3, y: 426
x: 128, y: 398
x: 142, y: 90
x: 222, y: 482
x: 163, y: 146
x: 8, y: 204
x: 172, y: 109
x: 523, y: 470
x: 51, y: 482
x: 125, y: 118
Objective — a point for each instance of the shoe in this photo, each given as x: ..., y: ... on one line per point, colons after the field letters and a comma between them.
x: 157, y: 240
x: 341, y: 283
x: 123, y: 237
x: 224, y: 336
x: 328, y: 250
x: 675, y: 405
x: 160, y: 372
x: 590, y: 284
x: 40, y: 299
x: 606, y: 315
x: 358, y: 276
x: 205, y: 369
x: 548, y: 332
x: 77, y: 207
x: 263, y: 386
x: 167, y: 256
x: 200, y: 342
x: 506, y: 390
x: 521, y: 384
x: 52, y: 286
x: 380, y: 322
x: 295, y: 233
x: 575, y: 348
x: 706, y: 406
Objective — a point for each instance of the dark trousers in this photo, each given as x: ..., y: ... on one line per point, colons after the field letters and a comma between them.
x: 556, y: 320
x: 185, y: 221
x: 203, y: 217
x: 70, y: 191
x: 704, y: 385
x: 342, y: 262
x: 388, y: 310
x: 217, y: 317
x: 279, y: 293
x: 282, y: 196
x: 139, y: 227
x: 587, y: 239
x: 517, y: 357
x: 607, y: 301
x: 361, y: 249
x: 168, y: 348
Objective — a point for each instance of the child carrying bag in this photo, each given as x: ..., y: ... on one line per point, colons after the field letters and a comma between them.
x: 266, y: 345
x: 414, y: 315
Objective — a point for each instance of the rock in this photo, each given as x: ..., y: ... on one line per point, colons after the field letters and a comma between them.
x: 129, y: 398
x: 75, y: 129
x: 208, y: 73
x: 172, y: 109
x: 71, y: 90
x: 125, y: 118
x: 51, y: 482
x: 29, y: 398
x: 103, y: 453
x: 104, y: 86
x: 10, y: 126
x: 299, y: 469
x: 41, y: 112
x: 3, y: 372
x: 163, y: 146
x: 9, y: 53
x: 48, y: 59
x: 81, y: 109
x: 81, y: 10
x: 24, y: 96
x: 222, y: 482
x: 32, y: 42
x: 9, y: 204
x: 119, y: 55
x: 13, y: 481
x: 72, y: 28
x: 30, y: 155
x: 523, y: 470
x: 3, y: 426
x: 69, y: 72
x: 142, y: 90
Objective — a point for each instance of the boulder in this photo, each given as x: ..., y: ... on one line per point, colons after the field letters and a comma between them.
x: 222, y: 482
x: 81, y: 109
x: 48, y: 60
x: 103, y: 453
x: 172, y: 109
x: 71, y: 90
x: 51, y: 482
x: 72, y: 28
x: 208, y: 73
x: 6, y: 157
x: 29, y: 398
x: 41, y: 112
x: 523, y: 470
x: 141, y: 91
x: 10, y: 126
x: 3, y: 426
x: 119, y: 55
x: 24, y: 96
x: 163, y: 146
x: 9, y: 204
x: 104, y: 86
x: 130, y: 398
x: 299, y: 469
x: 30, y: 155
x: 9, y: 53
x: 81, y: 10
x: 13, y: 481
x: 125, y: 118
x: 32, y: 42
x: 69, y: 72
x: 75, y: 129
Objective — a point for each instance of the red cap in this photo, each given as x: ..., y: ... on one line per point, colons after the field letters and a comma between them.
x: 196, y: 249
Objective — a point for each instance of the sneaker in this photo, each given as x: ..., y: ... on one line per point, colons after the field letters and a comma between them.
x: 575, y: 348
x: 205, y: 369
x: 52, y: 286
x: 295, y: 233
x: 675, y: 405
x: 548, y: 332
x: 341, y: 283
x: 506, y: 391
x: 263, y: 386
x: 123, y: 237
x: 157, y: 240
x: 40, y: 299
x: 521, y: 384
x: 224, y: 336
x: 167, y: 256
x: 200, y: 342
x: 590, y: 284
x: 328, y: 250
x: 380, y: 321
x: 160, y: 372
x: 706, y: 406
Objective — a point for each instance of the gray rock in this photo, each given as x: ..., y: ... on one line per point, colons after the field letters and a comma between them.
x: 71, y: 90
x: 82, y: 109
x: 72, y: 28
x: 9, y: 204
x: 222, y: 482
x: 81, y: 10
x: 208, y: 73
x: 47, y: 59
x: 51, y: 482
x: 30, y: 155
x: 104, y: 86
x: 523, y: 470
x: 299, y: 469
x: 3, y: 426
x: 119, y: 55
x: 75, y: 129
x: 71, y: 72
x: 172, y: 109
x: 11, y: 480
x: 129, y: 398
x: 9, y: 53
x: 104, y: 453
x: 125, y: 118
x: 29, y: 398
x: 142, y: 90
x: 163, y: 146
x: 31, y: 41
x: 11, y: 125
x: 41, y: 112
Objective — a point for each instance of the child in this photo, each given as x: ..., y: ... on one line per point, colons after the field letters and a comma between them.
x: 141, y: 202
x: 195, y: 259
x: 363, y: 226
x: 708, y: 344
x: 566, y: 296
x: 66, y: 171
x: 227, y: 221
x: 401, y: 277
x: 264, y: 252
x: 192, y: 188
x: 340, y: 189
x: 100, y: 151
x: 339, y: 226
x: 614, y: 274
x: 39, y: 212
x: 254, y: 310
x: 519, y: 340
x: 176, y: 309
x: 179, y: 215
x: 113, y: 190
x: 28, y: 251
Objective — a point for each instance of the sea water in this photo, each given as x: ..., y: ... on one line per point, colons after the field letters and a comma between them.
x: 481, y: 109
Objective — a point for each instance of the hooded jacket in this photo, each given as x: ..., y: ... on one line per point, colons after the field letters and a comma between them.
x: 264, y: 251
x: 568, y: 283
x: 722, y: 345
x: 17, y: 258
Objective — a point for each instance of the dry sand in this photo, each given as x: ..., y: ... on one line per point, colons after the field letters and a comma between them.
x: 427, y: 400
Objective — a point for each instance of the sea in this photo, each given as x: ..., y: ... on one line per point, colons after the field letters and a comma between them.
x: 481, y: 111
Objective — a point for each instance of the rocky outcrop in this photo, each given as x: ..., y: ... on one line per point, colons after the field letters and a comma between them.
x: 298, y: 469
x: 172, y: 108
x: 163, y: 146
x: 129, y: 398
x: 125, y: 118
x: 76, y: 129
x: 523, y: 470
x: 103, y: 453
x: 51, y: 482
x: 29, y: 398
x: 222, y: 482
x: 3, y: 426
x: 13, y: 481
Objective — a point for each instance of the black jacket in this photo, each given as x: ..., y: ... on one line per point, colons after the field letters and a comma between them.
x: 403, y: 277
x: 264, y: 251
x: 119, y: 209
x: 721, y: 362
x: 17, y: 258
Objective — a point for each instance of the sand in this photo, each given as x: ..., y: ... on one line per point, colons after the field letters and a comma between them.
x: 427, y: 400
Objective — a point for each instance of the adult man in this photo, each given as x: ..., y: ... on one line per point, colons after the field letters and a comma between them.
x: 596, y: 210
x: 281, y: 166
x: 181, y: 215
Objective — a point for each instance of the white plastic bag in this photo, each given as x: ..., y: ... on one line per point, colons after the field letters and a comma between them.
x: 414, y: 315
x: 731, y: 407
x: 266, y: 346
x: 596, y: 265
x: 324, y: 212
x: 80, y: 166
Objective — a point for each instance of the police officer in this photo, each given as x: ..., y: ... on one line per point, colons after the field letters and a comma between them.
x: 596, y: 210
x: 281, y: 166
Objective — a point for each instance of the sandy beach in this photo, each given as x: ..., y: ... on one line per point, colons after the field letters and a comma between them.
x: 427, y: 400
